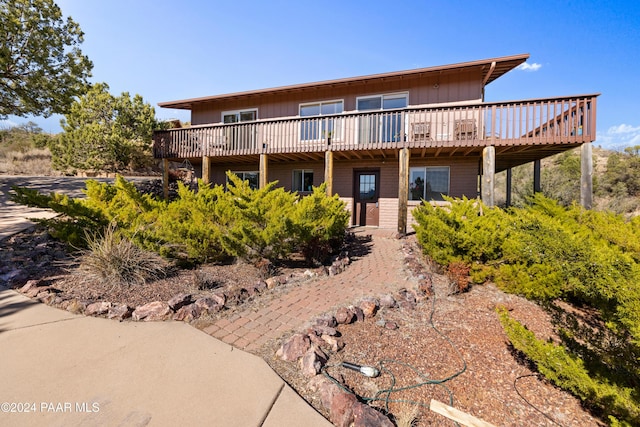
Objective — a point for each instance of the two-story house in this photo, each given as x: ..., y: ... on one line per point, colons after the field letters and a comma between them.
x: 382, y: 142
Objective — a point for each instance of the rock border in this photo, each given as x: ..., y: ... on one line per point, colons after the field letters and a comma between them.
x: 312, y: 349
x: 181, y: 307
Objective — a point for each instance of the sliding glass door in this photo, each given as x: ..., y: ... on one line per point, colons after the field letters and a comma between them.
x: 381, y: 126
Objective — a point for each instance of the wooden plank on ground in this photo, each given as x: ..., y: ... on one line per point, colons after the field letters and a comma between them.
x: 457, y: 415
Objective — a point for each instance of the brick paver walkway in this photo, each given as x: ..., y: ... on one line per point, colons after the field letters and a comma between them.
x: 379, y: 271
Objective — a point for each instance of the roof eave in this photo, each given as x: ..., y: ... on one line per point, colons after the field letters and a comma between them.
x: 503, y: 65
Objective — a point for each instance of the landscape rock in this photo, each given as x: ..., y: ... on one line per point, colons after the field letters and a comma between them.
x: 294, y: 348
x: 156, y: 310
x: 180, y: 300
x: 366, y: 416
x: 312, y: 362
x: 357, y: 311
x: 341, y: 408
x: 29, y: 286
x: 97, y: 308
x: 46, y: 297
x: 272, y: 282
x: 119, y: 312
x: 325, y: 330
x: 326, y: 320
x: 345, y: 316
x: 187, y: 313
x: 211, y: 304
x: 335, y: 344
x: 387, y: 301
x: 369, y: 308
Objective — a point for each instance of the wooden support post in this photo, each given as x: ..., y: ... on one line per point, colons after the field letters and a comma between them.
x: 403, y: 190
x: 509, y: 179
x: 264, y: 170
x: 586, y: 176
x: 328, y: 171
x: 165, y: 178
x: 536, y: 177
x: 206, y: 169
x: 488, y: 175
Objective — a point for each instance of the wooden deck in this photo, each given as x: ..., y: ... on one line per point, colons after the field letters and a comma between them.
x: 470, y: 127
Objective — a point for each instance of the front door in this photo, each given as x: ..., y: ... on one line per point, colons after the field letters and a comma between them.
x: 366, y: 193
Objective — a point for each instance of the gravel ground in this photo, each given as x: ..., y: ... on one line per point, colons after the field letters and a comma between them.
x: 456, y: 338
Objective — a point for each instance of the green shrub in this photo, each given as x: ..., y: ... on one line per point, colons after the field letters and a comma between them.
x: 548, y: 252
x: 210, y: 224
x: 260, y: 225
x: 620, y: 403
x: 192, y: 227
x: 320, y: 223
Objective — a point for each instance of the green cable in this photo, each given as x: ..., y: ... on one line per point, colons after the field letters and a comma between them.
x: 426, y: 381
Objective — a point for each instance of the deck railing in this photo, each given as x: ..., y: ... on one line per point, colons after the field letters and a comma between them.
x: 535, y: 121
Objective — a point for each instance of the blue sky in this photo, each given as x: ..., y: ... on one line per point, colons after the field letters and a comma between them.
x: 169, y: 50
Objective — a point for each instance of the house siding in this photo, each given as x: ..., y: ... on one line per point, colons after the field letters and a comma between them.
x: 463, y: 85
x: 463, y: 180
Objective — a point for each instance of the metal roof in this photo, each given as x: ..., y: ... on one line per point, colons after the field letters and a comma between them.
x: 490, y: 72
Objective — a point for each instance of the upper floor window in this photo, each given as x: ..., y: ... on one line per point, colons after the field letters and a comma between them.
x: 318, y: 128
x: 428, y: 183
x: 383, y: 102
x: 240, y: 116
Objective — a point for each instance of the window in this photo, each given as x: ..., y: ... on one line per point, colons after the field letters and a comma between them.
x: 240, y: 136
x: 385, y: 127
x: 239, y: 116
x: 320, y: 128
x: 252, y: 177
x: 429, y: 183
x: 302, y: 180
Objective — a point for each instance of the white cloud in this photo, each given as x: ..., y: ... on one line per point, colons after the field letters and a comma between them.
x: 619, y: 137
x: 623, y: 128
x: 6, y: 124
x: 525, y: 66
